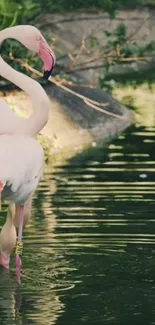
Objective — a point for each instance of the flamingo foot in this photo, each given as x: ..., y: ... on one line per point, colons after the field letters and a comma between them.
x: 4, y: 261
x: 18, y: 268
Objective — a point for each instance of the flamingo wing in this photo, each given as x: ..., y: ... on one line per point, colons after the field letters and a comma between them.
x: 21, y: 166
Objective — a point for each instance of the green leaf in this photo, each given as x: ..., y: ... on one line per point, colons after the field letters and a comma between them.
x: 92, y: 42
x: 121, y: 32
x: 107, y: 33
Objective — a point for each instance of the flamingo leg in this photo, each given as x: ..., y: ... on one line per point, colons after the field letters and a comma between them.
x: 7, y: 238
x: 19, y: 246
x: 2, y: 184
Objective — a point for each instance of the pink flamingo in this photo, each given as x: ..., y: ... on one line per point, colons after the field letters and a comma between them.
x: 21, y: 155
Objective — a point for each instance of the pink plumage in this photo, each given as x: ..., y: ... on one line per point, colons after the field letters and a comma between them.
x: 21, y: 156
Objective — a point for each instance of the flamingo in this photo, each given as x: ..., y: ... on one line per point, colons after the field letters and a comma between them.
x: 21, y: 155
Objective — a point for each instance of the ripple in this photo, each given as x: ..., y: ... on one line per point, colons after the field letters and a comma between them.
x: 89, y: 254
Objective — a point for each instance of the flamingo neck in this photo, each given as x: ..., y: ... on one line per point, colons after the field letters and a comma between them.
x: 41, y: 103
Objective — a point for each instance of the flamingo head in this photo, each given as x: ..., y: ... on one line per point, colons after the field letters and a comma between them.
x: 33, y: 40
x: 47, y: 56
x: 40, y: 46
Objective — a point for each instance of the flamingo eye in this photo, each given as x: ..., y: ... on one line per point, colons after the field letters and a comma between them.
x: 38, y: 38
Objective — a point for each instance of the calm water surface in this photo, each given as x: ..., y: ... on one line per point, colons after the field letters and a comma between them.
x: 89, y: 254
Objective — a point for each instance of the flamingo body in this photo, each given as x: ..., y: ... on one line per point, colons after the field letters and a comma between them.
x: 21, y: 166
x: 21, y: 155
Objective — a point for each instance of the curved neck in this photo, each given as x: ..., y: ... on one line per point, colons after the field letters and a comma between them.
x: 32, y: 88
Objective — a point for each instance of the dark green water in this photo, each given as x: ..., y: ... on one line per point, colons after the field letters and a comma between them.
x: 89, y: 255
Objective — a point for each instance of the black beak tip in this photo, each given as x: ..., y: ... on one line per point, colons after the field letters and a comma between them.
x: 47, y: 74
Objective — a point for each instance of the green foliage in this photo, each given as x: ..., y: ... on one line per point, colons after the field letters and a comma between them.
x: 107, y: 5
x: 121, y: 50
x: 131, y: 78
x: 128, y: 100
x: 121, y: 33
x: 92, y: 43
x: 150, y: 47
x: 127, y: 48
x: 130, y: 50
x: 14, y: 12
x: 12, y: 49
x: 21, y: 11
x: 9, y: 12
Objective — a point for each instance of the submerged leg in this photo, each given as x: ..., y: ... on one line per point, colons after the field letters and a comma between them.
x: 21, y: 218
x: 19, y: 246
x: 7, y: 238
x: 4, y: 261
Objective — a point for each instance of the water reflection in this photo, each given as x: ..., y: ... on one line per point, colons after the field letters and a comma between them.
x: 89, y: 249
x: 105, y: 214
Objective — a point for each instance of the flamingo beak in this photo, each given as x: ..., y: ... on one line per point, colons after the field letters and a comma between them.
x: 47, y: 74
x: 48, y: 57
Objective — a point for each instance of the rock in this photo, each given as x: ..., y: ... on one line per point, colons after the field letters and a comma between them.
x: 74, y: 125
x: 98, y: 126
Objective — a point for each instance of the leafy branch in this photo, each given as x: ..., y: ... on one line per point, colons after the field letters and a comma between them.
x: 119, y: 49
x: 91, y: 103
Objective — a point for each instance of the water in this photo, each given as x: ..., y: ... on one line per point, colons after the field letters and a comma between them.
x: 89, y: 254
